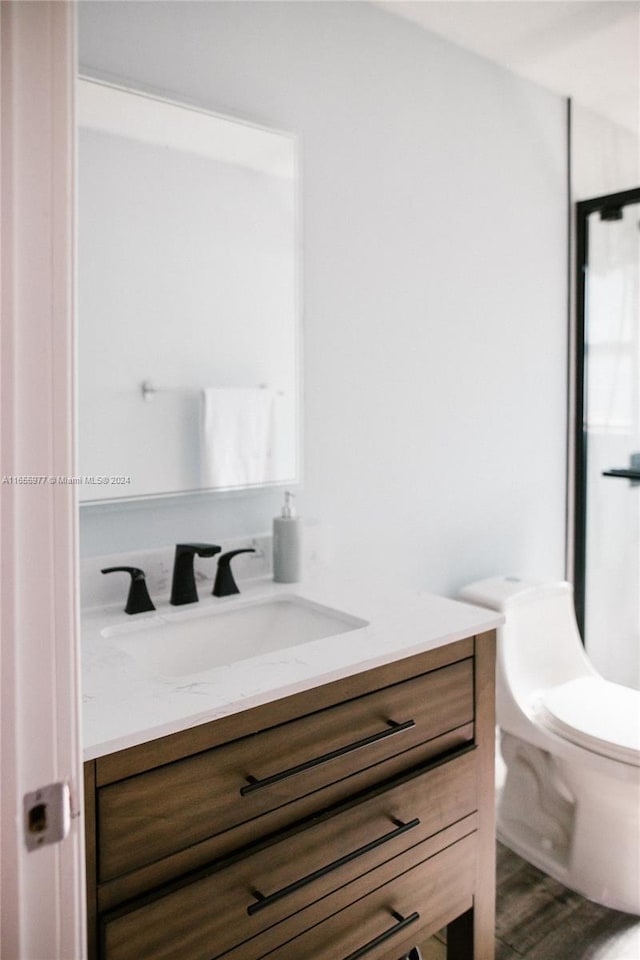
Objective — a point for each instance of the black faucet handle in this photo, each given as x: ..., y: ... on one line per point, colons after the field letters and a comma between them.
x: 199, y: 549
x: 138, y: 600
x: 225, y: 585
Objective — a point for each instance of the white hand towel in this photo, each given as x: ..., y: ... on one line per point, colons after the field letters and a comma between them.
x: 237, y: 425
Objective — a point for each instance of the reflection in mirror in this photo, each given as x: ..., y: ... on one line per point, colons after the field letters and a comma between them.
x: 188, y: 326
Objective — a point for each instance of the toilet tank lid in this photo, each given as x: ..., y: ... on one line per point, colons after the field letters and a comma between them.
x: 500, y: 593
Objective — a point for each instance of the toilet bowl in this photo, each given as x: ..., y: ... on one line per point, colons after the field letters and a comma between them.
x: 570, y: 741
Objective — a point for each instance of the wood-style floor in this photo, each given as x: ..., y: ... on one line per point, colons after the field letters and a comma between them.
x: 539, y: 919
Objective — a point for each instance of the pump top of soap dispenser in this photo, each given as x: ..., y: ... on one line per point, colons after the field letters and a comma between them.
x: 289, y: 508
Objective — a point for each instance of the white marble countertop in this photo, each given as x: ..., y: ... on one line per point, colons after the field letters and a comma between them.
x: 126, y: 703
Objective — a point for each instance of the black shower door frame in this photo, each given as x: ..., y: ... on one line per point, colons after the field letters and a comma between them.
x: 609, y: 203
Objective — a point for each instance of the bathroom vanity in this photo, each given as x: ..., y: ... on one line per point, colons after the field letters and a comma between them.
x: 320, y: 813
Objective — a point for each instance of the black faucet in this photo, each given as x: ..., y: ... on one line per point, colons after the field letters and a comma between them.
x: 183, y: 585
x: 225, y: 585
x: 138, y: 600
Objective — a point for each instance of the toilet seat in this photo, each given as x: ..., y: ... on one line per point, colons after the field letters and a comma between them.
x: 600, y: 716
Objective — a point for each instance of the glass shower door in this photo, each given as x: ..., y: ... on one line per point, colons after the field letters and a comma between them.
x: 608, y: 465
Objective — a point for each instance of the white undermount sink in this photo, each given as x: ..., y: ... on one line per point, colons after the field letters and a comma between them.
x: 194, y: 640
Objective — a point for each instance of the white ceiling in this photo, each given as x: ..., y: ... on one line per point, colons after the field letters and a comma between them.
x: 586, y: 49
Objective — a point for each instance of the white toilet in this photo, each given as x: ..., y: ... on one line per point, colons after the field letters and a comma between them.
x: 571, y: 744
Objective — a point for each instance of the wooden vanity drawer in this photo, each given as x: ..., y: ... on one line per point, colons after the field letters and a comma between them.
x: 335, y: 752
x: 395, y: 917
x: 220, y: 910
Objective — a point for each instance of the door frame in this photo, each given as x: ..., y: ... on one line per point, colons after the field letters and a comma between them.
x: 583, y: 209
x: 42, y: 890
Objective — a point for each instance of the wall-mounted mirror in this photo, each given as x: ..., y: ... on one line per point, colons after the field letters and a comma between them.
x: 188, y: 306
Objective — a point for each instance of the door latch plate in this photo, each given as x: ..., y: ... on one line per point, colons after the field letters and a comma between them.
x: 47, y: 815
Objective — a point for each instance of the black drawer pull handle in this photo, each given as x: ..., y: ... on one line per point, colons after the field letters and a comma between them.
x: 255, y: 784
x: 402, y: 924
x: 266, y: 901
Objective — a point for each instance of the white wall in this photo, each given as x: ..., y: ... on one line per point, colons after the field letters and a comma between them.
x: 605, y: 156
x: 434, y: 214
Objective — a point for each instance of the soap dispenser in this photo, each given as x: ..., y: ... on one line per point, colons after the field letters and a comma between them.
x: 287, y: 543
